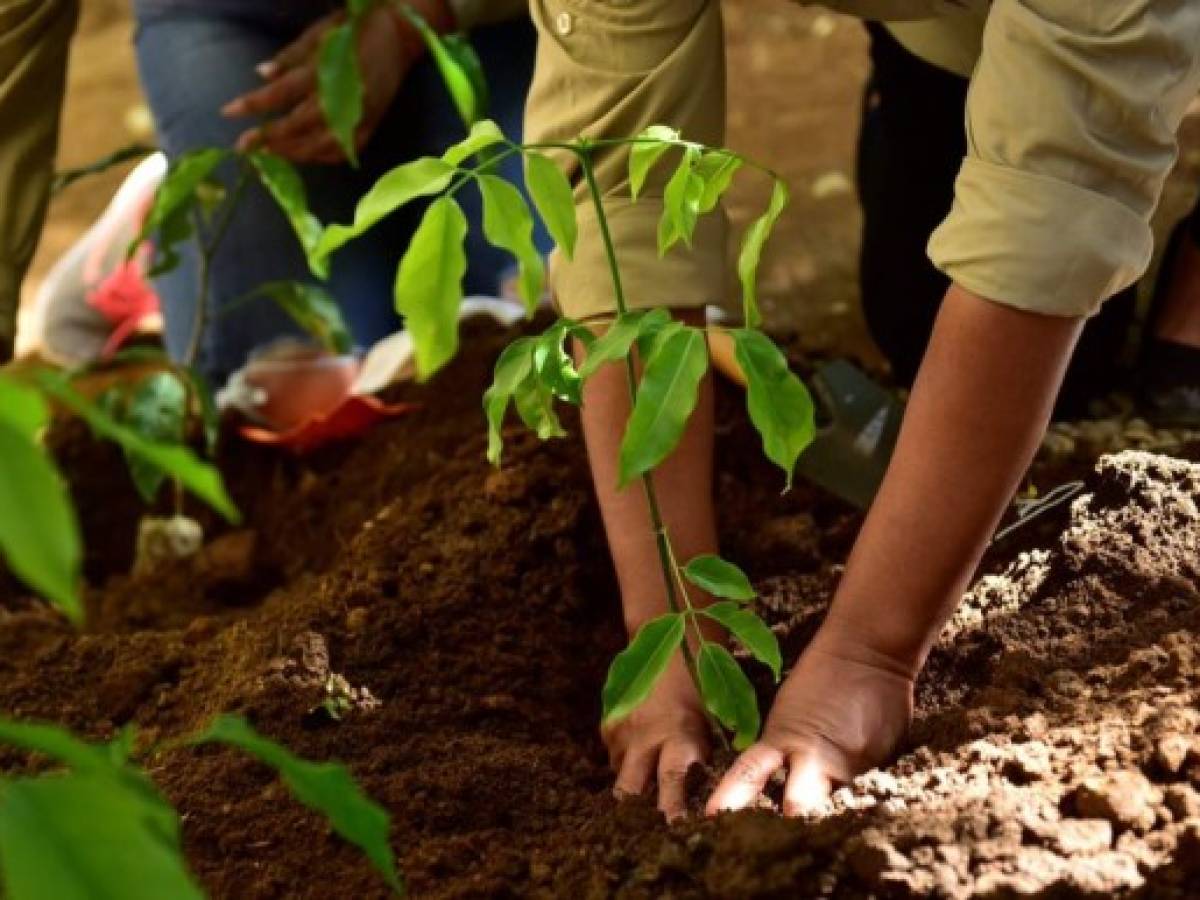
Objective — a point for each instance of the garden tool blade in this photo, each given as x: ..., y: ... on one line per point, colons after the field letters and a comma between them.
x: 857, y: 426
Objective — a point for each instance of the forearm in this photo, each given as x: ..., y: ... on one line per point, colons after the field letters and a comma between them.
x: 977, y: 413
x: 684, y: 491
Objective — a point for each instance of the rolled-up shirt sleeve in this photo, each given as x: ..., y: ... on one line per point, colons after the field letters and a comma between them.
x: 609, y: 69
x: 1071, y: 131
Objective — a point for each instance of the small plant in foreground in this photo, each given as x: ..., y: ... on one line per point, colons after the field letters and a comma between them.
x: 102, y: 825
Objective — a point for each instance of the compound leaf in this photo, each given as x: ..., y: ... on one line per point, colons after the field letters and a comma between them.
x: 637, y: 668
x: 429, y: 284
x: 326, y: 787
x: 719, y: 577
x: 339, y: 86
x: 666, y: 397
x: 728, y: 694
x: 459, y: 67
x: 555, y: 366
x: 751, y: 252
x: 780, y: 406
x: 507, y: 224
x: 716, y: 170
x: 752, y: 631
x: 554, y: 199
x: 535, y: 405
x: 169, y: 220
x: 681, y: 203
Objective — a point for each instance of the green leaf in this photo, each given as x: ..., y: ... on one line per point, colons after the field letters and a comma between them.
x: 645, y: 151
x: 484, y: 133
x: 616, y: 343
x: 728, y: 694
x: 554, y: 199
x: 169, y: 220
x: 716, y: 170
x: 314, y: 310
x: 459, y: 67
x: 507, y: 224
x: 326, y: 787
x: 665, y: 400
x: 89, y: 836
x: 751, y: 252
x: 554, y: 364
x: 157, y: 412
x: 637, y: 668
x: 535, y: 405
x: 339, y: 86
x: 718, y: 577
x: 681, y: 204
x: 513, y: 366
x: 284, y: 183
x: 419, y: 178
x: 22, y: 408
x: 780, y: 406
x: 429, y: 284
x: 180, y: 462
x: 39, y: 534
x: 751, y: 631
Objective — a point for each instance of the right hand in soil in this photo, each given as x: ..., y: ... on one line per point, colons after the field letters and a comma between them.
x: 659, y: 741
x: 841, y: 711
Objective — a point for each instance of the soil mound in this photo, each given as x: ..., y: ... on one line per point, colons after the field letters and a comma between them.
x: 467, y: 617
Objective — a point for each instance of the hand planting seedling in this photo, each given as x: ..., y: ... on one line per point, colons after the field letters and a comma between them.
x: 536, y: 371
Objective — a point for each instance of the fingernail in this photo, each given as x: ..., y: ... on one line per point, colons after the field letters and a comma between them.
x: 232, y: 109
x: 267, y: 69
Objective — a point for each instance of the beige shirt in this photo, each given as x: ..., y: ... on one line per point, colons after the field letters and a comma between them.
x: 1071, y: 128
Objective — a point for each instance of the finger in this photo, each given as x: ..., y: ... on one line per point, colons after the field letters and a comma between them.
x: 674, y: 763
x: 808, y: 786
x: 300, y: 50
x: 746, y: 779
x: 302, y: 119
x: 636, y: 771
x: 283, y: 93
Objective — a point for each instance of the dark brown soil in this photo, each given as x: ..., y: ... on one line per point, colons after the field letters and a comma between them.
x: 1056, y: 749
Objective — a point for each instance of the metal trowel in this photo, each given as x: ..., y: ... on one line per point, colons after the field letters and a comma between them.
x: 857, y: 424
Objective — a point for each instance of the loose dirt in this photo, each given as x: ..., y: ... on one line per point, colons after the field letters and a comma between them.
x: 472, y: 613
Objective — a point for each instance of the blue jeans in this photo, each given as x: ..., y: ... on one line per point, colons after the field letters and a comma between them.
x: 192, y: 62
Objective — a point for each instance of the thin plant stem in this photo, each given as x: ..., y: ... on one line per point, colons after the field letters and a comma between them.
x: 208, y: 250
x: 662, y: 540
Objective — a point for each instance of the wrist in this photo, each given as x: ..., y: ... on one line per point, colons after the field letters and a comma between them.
x: 897, y: 650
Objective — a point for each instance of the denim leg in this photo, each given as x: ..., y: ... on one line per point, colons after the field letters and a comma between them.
x: 192, y: 64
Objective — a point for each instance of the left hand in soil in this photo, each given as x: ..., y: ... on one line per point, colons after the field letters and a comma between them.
x: 841, y: 711
x: 660, y: 741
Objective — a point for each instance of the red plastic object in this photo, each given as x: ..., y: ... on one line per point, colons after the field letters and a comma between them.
x: 349, y: 419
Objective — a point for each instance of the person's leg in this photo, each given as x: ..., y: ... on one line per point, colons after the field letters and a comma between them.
x: 190, y: 66
x: 910, y: 148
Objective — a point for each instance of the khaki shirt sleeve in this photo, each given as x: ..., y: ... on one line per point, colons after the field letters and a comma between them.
x: 609, y: 69
x: 1071, y: 131
x: 34, y: 37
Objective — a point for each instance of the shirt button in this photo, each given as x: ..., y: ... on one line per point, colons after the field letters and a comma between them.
x: 565, y: 23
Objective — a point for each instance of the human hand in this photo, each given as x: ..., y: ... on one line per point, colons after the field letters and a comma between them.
x: 387, y: 48
x: 660, y: 740
x: 842, y: 710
